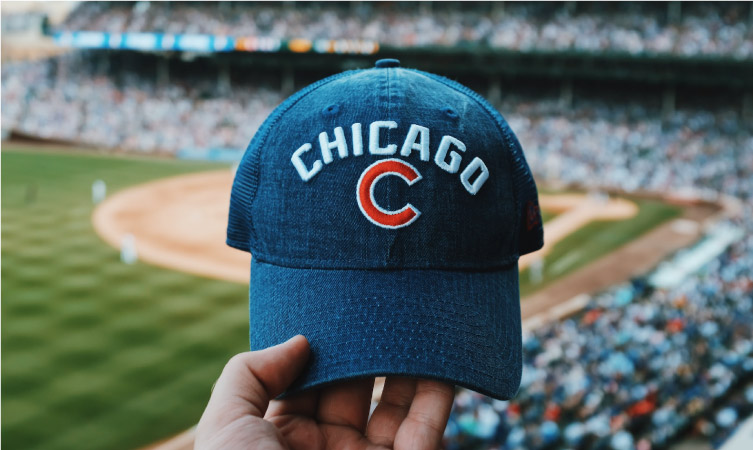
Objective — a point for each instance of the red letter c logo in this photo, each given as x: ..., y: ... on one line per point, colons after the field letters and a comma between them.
x: 365, y: 193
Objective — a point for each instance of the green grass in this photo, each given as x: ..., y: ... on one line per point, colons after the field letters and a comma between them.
x: 597, y: 239
x: 95, y: 353
x: 546, y: 216
x: 98, y: 354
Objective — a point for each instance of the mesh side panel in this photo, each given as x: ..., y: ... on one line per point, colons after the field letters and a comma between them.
x: 531, y: 237
x: 240, y: 232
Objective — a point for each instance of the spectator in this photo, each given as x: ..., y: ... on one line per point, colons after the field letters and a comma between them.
x: 638, y: 28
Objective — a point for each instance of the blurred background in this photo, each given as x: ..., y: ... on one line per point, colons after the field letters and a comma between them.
x: 649, y: 102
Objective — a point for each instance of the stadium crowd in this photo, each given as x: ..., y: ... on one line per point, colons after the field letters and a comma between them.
x: 631, y: 371
x: 636, y: 28
x: 616, y: 145
x: 721, y: 423
x: 629, y: 146
x: 636, y: 367
x: 67, y: 99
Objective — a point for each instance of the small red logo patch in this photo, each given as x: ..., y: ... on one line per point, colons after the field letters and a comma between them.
x: 365, y: 193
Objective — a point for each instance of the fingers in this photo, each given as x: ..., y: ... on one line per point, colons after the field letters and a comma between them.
x: 304, y: 404
x: 346, y: 404
x: 424, y: 425
x: 391, y: 411
x: 250, y: 379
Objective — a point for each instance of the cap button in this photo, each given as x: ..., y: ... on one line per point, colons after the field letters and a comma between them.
x: 384, y: 63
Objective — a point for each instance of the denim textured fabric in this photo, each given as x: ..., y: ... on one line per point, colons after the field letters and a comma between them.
x: 392, y: 244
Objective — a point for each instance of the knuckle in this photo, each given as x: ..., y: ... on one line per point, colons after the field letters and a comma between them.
x: 237, y: 362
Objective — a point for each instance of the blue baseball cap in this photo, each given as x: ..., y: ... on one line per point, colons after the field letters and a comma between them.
x: 385, y: 210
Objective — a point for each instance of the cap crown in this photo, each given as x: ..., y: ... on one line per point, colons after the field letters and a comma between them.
x: 385, y: 168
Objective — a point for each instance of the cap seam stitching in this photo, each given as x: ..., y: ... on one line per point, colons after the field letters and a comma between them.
x: 310, y: 264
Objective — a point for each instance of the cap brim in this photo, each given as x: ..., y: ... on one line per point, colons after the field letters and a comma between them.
x: 459, y: 327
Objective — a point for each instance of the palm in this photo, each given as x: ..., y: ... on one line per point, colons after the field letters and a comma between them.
x: 411, y: 415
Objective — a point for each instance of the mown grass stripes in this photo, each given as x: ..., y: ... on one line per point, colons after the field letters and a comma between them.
x: 95, y: 353
x: 98, y: 354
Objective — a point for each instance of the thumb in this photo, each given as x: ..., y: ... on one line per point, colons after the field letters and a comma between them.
x: 251, y: 379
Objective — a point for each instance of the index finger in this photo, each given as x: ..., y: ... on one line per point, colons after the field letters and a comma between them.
x: 424, y: 425
x: 251, y: 379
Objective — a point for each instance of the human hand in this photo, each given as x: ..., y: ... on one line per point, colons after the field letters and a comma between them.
x: 412, y: 413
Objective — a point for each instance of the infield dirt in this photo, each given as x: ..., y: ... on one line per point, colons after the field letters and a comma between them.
x: 179, y: 222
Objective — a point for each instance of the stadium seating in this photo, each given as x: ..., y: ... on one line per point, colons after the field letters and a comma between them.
x: 634, y: 28
x: 595, y: 143
x: 631, y: 371
x: 66, y: 99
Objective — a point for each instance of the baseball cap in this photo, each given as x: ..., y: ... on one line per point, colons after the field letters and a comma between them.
x: 385, y: 210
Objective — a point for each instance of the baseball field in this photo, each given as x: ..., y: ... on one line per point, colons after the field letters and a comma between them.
x: 100, y: 354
